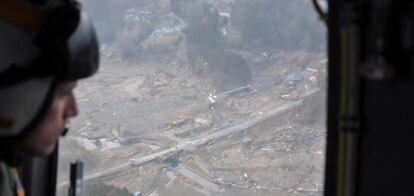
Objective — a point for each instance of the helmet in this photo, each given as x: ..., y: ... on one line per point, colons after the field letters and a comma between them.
x: 40, y: 46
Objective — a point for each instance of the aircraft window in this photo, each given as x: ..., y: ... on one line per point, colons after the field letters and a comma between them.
x: 202, y: 97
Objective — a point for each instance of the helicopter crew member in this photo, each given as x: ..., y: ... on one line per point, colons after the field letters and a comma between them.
x: 45, y: 47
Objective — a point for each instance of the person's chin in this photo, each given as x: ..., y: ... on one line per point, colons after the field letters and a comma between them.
x: 44, y: 150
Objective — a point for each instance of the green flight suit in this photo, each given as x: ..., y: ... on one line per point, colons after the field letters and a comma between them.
x: 7, y: 184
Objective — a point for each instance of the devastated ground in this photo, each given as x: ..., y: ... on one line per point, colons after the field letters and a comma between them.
x: 263, y: 139
x: 202, y: 97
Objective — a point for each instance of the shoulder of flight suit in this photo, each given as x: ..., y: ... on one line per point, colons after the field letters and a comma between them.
x: 6, y: 180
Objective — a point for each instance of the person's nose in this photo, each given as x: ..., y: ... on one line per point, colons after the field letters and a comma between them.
x: 72, y: 107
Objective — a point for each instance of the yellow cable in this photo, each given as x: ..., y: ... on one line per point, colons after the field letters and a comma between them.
x: 342, y: 111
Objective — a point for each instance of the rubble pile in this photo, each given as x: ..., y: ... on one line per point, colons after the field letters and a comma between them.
x: 165, y: 124
x: 280, y: 156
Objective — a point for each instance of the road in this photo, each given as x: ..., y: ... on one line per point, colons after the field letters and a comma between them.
x: 188, y: 145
